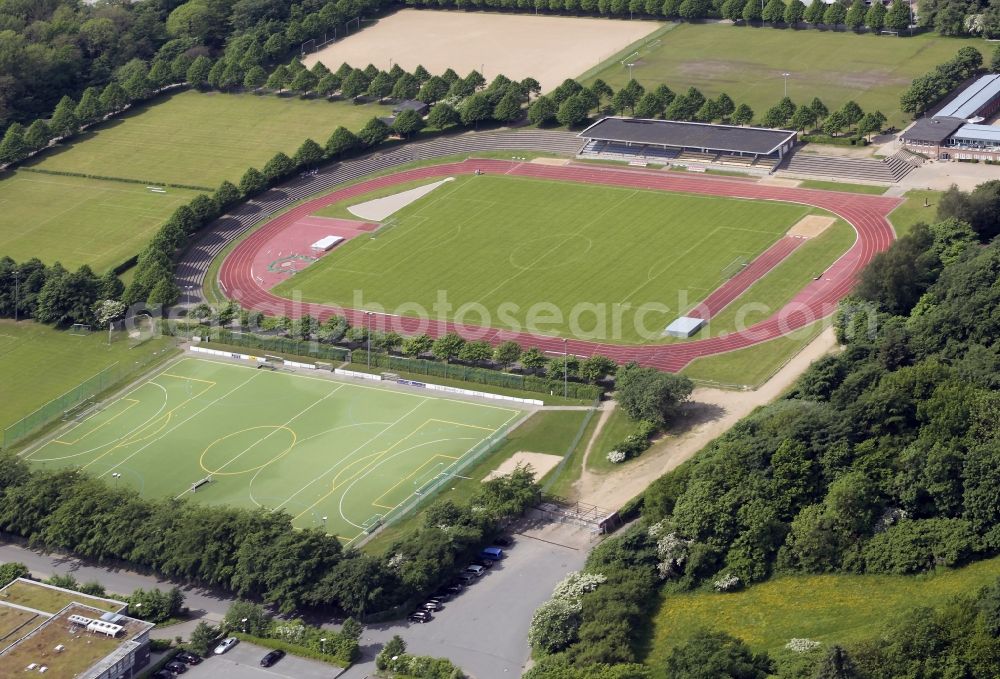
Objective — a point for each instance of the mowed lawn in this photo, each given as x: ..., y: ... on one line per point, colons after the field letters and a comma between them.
x: 200, y: 139
x: 309, y: 446
x: 39, y: 363
x: 548, y: 257
x: 826, y: 608
x: 80, y: 221
x: 747, y: 64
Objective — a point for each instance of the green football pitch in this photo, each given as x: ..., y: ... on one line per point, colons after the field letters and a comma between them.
x: 554, y: 257
x: 329, y: 453
x: 80, y: 221
x: 748, y: 63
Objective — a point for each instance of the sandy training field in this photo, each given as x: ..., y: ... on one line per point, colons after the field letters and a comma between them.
x: 540, y: 463
x: 811, y: 226
x: 549, y: 49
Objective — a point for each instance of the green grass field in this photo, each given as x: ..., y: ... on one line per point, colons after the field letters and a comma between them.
x: 80, y: 221
x: 827, y: 608
x: 39, y: 363
x: 553, y: 257
x: 747, y: 64
x: 200, y: 139
x: 309, y: 446
x: 919, y: 206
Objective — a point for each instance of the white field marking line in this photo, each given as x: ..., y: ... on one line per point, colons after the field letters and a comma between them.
x: 340, y: 505
x: 257, y: 473
x: 390, y: 426
x: 292, y: 419
x: 361, y: 477
x: 349, y: 383
x: 572, y: 234
x: 42, y: 444
x: 193, y: 415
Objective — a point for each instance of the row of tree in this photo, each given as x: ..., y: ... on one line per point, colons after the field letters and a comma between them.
x: 246, y: 552
x: 960, y: 17
x: 883, y: 459
x: 856, y: 16
x: 927, y: 90
x: 51, y: 294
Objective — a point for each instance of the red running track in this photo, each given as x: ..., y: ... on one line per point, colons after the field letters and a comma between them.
x: 867, y: 214
x: 726, y: 293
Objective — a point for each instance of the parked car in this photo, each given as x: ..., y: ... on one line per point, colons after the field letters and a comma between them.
x: 491, y: 554
x: 503, y: 541
x: 187, y: 657
x: 176, y: 667
x: 467, y: 577
x: 455, y: 586
x: 431, y: 606
x: 483, y: 563
x: 477, y: 571
x: 271, y: 658
x: 162, y: 674
x: 420, y: 616
x: 225, y: 645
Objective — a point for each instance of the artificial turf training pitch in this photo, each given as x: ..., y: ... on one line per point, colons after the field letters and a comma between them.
x: 310, y: 446
x: 490, y: 242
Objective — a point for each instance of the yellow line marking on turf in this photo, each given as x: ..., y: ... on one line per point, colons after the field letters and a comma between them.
x: 132, y: 403
x: 272, y: 427
x: 407, y: 478
x: 461, y: 424
x: 183, y: 377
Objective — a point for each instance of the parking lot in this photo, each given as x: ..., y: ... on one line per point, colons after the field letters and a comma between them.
x: 243, y: 662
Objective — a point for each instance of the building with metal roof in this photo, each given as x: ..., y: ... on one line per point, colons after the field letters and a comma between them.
x: 701, y: 137
x: 976, y: 102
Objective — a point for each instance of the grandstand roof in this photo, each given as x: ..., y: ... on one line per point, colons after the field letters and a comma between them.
x: 729, y: 138
x: 967, y: 103
x: 988, y: 134
x: 933, y: 130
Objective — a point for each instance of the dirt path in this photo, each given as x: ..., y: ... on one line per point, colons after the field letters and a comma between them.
x: 607, y: 408
x: 712, y: 413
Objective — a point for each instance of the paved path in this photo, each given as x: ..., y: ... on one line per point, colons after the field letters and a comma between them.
x: 866, y: 213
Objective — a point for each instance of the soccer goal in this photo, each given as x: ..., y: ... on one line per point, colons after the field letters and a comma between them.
x: 200, y: 482
x: 734, y: 267
x: 81, y: 411
x: 80, y: 329
x: 372, y: 524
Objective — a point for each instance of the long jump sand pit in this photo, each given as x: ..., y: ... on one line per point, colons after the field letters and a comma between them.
x: 546, y: 48
x: 540, y: 463
x: 811, y: 226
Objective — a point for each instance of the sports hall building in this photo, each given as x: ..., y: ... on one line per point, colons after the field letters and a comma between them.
x: 956, y: 131
x: 670, y: 142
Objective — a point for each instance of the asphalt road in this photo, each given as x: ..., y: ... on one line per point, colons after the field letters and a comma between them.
x: 483, y: 630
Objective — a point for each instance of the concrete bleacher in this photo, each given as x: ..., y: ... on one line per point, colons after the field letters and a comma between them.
x: 605, y: 150
x: 745, y: 161
x: 698, y: 157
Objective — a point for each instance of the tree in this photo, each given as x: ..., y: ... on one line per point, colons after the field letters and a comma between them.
x: 164, y: 293
x: 852, y: 113
x: 11, y: 571
x: 692, y: 10
x: 898, y: 16
x: 717, y: 655
x: 374, y: 132
x: 279, y: 166
x: 137, y: 87
x: 834, y: 124
x: 732, y: 10
x: 476, y: 109
x: 508, y: 109
x: 433, y: 90
x: 836, y: 664
x: 602, y: 90
x: 64, y: 122
x: 875, y: 17
x: 107, y: 311
x: 794, y: 12
x: 533, y: 360
x: 708, y: 112
x: 774, y: 117
x: 37, y: 136
x: 814, y: 12
x: 572, y: 112
x: 252, y: 182
x: 155, y: 605
x: 328, y: 85
x: 203, y: 638
x: 160, y: 75
x: 255, y: 78
x: 647, y: 394
x: 774, y: 11
x: 309, y: 154
x: 380, y: 86
x: 89, y: 110
x: 417, y: 345
x: 649, y: 106
x: 340, y: 142
x: 506, y: 354
x: 199, y: 71
x: 554, y: 626
x: 303, y: 82
x: 408, y: 122
x: 476, y: 352
x: 596, y: 368
x: 819, y: 108
x: 447, y: 347
x: 13, y: 148
x: 354, y: 85
x: 405, y: 87
x: 870, y: 123
x: 278, y: 80
x: 752, y: 11
x: 834, y: 14
x: 443, y: 116
x: 803, y: 119
x: 897, y: 277
x: 542, y: 111
x: 475, y: 79
x: 725, y: 106
x: 247, y: 617
x: 855, y: 17
x: 743, y: 115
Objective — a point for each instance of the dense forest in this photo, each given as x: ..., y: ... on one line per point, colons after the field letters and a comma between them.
x: 885, y: 458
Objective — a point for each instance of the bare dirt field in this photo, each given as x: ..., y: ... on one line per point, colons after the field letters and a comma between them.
x: 540, y: 463
x: 549, y: 49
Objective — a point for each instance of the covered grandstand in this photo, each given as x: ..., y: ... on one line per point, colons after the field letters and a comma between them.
x: 672, y: 142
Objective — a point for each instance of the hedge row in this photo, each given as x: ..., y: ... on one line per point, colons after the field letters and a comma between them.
x: 125, y: 180
x: 293, y: 649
